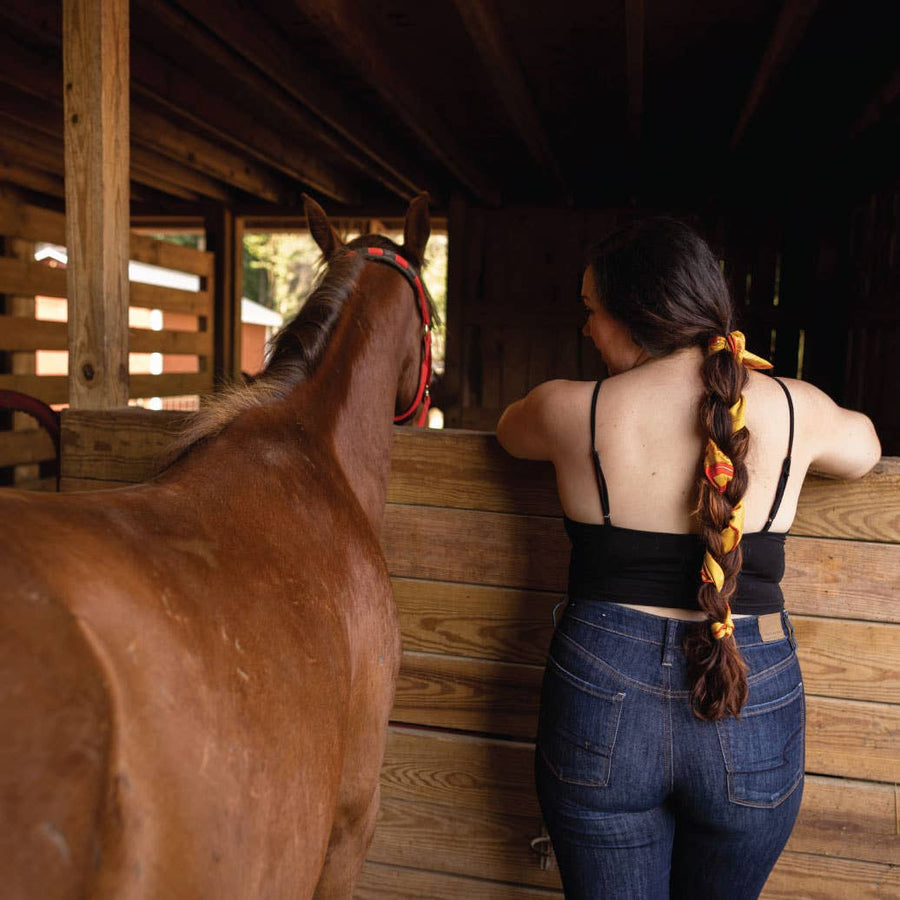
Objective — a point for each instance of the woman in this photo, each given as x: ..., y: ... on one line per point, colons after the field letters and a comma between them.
x: 670, y: 746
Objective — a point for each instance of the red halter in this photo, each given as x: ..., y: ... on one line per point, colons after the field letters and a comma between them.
x: 423, y: 393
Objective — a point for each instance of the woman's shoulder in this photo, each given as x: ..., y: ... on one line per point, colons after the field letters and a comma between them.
x: 839, y: 442
x: 539, y: 425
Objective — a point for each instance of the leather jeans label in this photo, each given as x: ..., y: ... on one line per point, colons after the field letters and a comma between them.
x: 770, y: 627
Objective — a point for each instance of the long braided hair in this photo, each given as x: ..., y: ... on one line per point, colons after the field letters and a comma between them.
x: 660, y: 278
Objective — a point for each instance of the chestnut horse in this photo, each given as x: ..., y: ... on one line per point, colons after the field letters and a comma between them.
x: 196, y: 673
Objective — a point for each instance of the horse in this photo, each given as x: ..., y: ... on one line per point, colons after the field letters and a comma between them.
x: 196, y: 673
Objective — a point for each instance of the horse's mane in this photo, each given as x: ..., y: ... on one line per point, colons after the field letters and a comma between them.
x: 296, y: 351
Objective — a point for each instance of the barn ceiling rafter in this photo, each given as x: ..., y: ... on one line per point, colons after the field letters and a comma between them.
x: 366, y: 104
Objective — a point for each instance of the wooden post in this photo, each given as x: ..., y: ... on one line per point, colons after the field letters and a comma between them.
x: 95, y: 78
x: 225, y: 238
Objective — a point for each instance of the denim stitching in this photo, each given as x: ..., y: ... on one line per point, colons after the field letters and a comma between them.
x: 649, y: 688
x: 633, y: 637
x: 774, y: 669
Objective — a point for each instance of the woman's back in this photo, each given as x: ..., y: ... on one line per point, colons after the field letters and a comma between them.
x: 650, y: 443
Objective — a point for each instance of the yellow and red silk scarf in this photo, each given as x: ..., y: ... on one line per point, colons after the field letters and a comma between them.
x: 719, y: 470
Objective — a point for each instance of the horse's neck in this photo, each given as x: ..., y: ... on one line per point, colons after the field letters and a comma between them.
x: 350, y: 398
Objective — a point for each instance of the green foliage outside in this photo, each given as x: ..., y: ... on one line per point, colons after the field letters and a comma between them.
x: 280, y: 269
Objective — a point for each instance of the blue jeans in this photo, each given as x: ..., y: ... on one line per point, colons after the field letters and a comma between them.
x: 644, y: 801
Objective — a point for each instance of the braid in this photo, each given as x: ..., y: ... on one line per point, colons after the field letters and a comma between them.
x: 660, y: 278
x: 716, y: 668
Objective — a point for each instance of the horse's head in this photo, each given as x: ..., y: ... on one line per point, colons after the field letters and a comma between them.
x: 415, y: 376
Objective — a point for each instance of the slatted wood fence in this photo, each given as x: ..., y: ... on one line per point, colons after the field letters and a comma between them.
x: 478, y: 557
x: 22, y: 279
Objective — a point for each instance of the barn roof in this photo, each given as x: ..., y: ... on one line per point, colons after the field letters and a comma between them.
x: 579, y: 102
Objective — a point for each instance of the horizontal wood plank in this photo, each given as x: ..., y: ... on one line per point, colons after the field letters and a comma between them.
x: 385, y: 882
x: 481, y: 696
x: 477, y: 773
x: 24, y: 333
x: 866, y: 509
x: 469, y: 470
x: 193, y: 343
x: 20, y: 447
x: 813, y: 877
x: 54, y: 388
x: 47, y: 388
x: 19, y: 276
x: 492, y: 844
x: 72, y: 485
x: 847, y: 738
x: 132, y: 451
x: 532, y: 552
x: 504, y: 624
x: 29, y: 222
x: 151, y: 296
x: 171, y: 256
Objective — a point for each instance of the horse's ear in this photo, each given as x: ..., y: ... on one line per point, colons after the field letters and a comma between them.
x: 417, y: 228
x: 324, y: 235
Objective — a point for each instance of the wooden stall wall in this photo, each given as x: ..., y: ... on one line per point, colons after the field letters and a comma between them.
x: 184, y: 338
x: 873, y: 337
x: 821, y: 306
x: 478, y: 557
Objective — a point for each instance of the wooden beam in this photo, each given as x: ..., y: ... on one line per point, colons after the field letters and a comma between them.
x: 793, y: 19
x: 483, y: 23
x: 95, y: 68
x: 635, y: 36
x: 183, y: 164
x: 159, y: 133
x: 224, y: 237
x: 345, y: 28
x: 39, y: 110
x: 876, y: 108
x: 181, y: 93
x: 233, y: 38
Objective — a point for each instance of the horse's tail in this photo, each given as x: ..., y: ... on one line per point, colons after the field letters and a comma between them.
x: 54, y: 746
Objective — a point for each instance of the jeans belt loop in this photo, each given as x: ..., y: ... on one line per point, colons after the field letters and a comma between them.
x: 789, y: 628
x: 555, y: 608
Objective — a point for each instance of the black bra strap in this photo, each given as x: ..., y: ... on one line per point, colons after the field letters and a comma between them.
x: 786, y: 465
x: 598, y: 472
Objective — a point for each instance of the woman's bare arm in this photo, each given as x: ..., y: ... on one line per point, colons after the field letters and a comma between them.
x: 534, y: 427
x: 845, y: 444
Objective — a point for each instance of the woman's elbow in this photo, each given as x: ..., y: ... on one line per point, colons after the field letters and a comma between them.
x: 505, y: 430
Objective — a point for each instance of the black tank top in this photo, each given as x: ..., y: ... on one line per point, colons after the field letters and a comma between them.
x: 655, y: 568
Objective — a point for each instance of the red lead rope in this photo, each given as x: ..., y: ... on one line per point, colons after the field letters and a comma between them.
x: 423, y: 392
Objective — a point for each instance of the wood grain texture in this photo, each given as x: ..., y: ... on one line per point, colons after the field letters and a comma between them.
x: 815, y: 877
x: 495, y: 845
x: 386, y: 882
x: 22, y: 333
x: 474, y: 620
x: 95, y: 70
x: 54, y: 388
x: 130, y: 451
x: 469, y: 772
x: 469, y: 470
x: 533, y: 552
x: 22, y: 447
x: 851, y: 738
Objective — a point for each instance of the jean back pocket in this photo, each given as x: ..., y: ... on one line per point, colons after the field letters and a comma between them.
x: 577, y: 727
x: 764, y: 751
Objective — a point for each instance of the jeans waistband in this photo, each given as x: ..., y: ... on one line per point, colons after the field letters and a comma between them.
x: 662, y: 629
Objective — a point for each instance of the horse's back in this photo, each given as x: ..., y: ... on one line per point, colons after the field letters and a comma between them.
x: 162, y: 669
x: 56, y: 726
